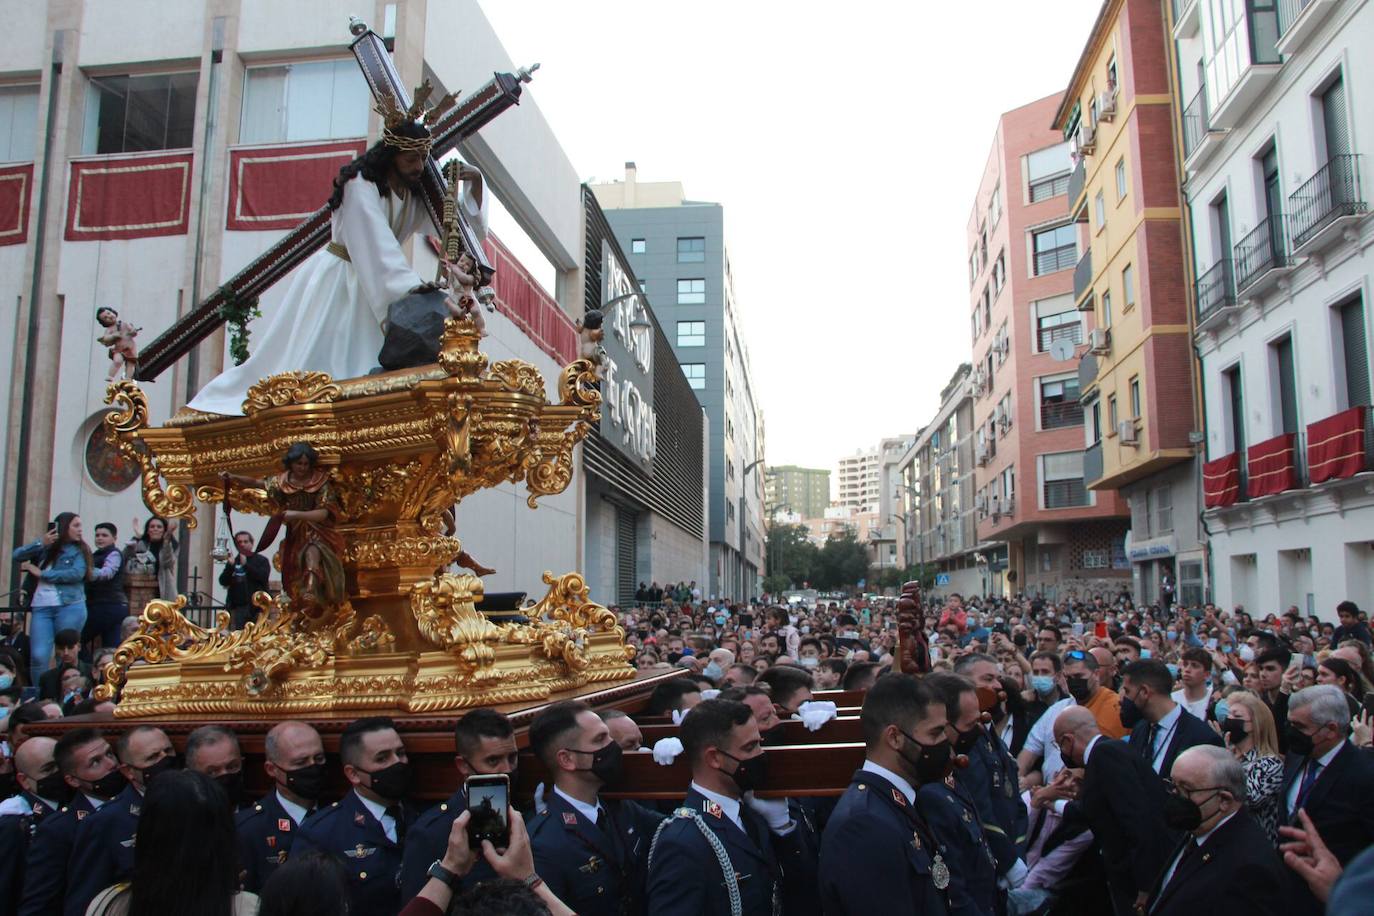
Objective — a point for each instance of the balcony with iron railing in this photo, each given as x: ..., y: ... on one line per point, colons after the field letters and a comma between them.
x: 1319, y: 210
x: 1060, y: 414
x: 1083, y: 276
x: 1185, y: 18
x: 1299, y: 21
x: 1215, y: 292
x: 1261, y: 255
x: 1199, y: 140
x: 1065, y: 494
x: 1070, y: 332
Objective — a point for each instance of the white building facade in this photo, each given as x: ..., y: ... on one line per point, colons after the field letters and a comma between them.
x: 148, y: 151
x: 1277, y: 128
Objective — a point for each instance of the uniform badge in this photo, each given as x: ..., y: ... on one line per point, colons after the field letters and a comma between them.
x: 968, y: 818
x: 359, y: 819
x: 284, y: 824
x: 712, y: 808
x: 271, y: 842
x: 592, y: 867
x: 281, y: 857
x: 939, y: 873
x: 81, y: 815
x: 134, y: 809
x: 899, y: 798
x: 915, y: 840
x: 570, y: 819
x: 360, y: 851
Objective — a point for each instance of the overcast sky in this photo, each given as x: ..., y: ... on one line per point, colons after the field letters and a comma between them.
x: 845, y: 141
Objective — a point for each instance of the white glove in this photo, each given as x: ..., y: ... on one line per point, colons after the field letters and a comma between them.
x: 678, y: 715
x: 666, y: 750
x: 815, y: 713
x: 539, y: 797
x: 709, y: 694
x: 774, y: 811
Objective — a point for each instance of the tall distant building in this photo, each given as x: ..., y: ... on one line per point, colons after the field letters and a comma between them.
x: 798, y: 490
x: 677, y: 251
x: 1041, y: 530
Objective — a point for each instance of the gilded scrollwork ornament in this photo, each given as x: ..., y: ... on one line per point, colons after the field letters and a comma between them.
x: 290, y: 388
x: 129, y: 416
x: 445, y: 611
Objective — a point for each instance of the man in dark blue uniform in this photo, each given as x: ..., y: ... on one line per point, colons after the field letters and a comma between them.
x: 89, y: 767
x: 724, y: 844
x: 103, y: 851
x: 991, y: 779
x: 590, y: 852
x: 485, y: 742
x: 878, y: 855
x: 295, y: 764
x: 214, y: 751
x: 41, y: 792
x: 953, y: 815
x: 366, y: 830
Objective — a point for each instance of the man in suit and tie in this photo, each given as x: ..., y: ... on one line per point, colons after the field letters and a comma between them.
x: 878, y: 854
x: 1121, y: 800
x: 723, y: 843
x: 1329, y: 778
x: 1222, y: 848
x: 366, y: 829
x: 1160, y: 728
x: 267, y: 830
x: 592, y: 853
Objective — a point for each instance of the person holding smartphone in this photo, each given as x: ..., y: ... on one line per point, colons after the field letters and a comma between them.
x: 61, y: 562
x: 485, y: 743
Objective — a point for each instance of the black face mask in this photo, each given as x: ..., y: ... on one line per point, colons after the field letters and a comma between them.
x: 391, y: 782
x: 232, y: 784
x: 751, y: 772
x: 1131, y: 714
x: 306, y: 781
x: 608, y: 764
x: 1299, y: 742
x: 54, y: 788
x: 1235, y: 728
x: 966, y: 741
x: 1182, y: 813
x: 1079, y: 688
x: 164, y: 765
x: 933, y: 762
x: 109, y: 785
x: 774, y: 736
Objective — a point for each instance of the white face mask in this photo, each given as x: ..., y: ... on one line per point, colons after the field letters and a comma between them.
x: 1247, y: 654
x: 807, y: 661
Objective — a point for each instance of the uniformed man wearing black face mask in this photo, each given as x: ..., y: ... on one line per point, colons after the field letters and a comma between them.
x: 214, y: 751
x: 878, y: 854
x: 366, y: 829
x: 726, y: 850
x: 267, y: 830
x: 592, y: 853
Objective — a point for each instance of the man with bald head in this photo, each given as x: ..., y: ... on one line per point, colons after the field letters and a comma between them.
x: 1222, y: 846
x: 295, y: 763
x: 1106, y: 667
x: 1121, y: 800
x: 42, y: 792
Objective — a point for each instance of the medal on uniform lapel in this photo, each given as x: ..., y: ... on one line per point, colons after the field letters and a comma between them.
x: 284, y: 824
x: 359, y: 819
x: 570, y: 819
x: 899, y: 798
x: 939, y: 873
x: 271, y: 842
x: 713, y: 809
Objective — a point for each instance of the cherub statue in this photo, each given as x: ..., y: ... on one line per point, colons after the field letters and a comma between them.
x: 462, y: 297
x: 590, y: 334
x: 119, y: 337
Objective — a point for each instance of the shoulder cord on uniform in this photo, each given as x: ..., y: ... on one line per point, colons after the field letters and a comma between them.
x: 726, y: 868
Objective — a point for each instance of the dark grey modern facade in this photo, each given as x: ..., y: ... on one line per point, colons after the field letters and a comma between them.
x: 676, y: 249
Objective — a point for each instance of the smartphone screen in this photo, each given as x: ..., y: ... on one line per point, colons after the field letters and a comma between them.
x: 489, y: 809
x: 1100, y: 629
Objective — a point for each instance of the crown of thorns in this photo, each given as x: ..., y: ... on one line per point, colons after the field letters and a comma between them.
x: 394, y: 116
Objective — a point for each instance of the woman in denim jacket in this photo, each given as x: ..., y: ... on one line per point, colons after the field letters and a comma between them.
x: 59, y: 603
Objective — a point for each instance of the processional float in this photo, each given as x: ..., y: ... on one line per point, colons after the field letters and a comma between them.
x: 401, y: 449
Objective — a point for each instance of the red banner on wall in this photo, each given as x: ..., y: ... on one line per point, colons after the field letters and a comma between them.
x: 1335, y: 446
x: 1271, y: 466
x: 16, y: 182
x: 129, y: 197
x: 1221, y: 481
x: 526, y: 303
x: 276, y: 187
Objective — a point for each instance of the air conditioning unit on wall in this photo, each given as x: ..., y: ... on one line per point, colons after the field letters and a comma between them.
x: 1125, y: 431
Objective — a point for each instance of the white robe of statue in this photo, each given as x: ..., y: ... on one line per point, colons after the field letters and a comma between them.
x: 331, y: 317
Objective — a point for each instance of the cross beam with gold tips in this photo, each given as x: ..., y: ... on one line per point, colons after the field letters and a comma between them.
x: 462, y: 121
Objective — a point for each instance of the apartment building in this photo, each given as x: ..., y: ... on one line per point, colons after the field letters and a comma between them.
x: 1276, y: 186
x: 1038, y: 528
x: 1136, y: 382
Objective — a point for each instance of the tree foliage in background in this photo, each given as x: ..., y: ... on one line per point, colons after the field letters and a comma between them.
x: 842, y: 562
x: 791, y: 558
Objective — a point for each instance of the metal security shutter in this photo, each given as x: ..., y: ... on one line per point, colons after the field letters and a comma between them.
x: 625, y: 549
x: 1333, y: 120
x: 1356, y: 353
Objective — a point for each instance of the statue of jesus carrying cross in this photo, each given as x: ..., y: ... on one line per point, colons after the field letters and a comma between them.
x: 334, y: 312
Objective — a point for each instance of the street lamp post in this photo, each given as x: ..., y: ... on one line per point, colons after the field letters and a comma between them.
x: 743, y: 500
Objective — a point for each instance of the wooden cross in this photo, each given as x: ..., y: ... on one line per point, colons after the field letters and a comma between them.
x: 462, y: 121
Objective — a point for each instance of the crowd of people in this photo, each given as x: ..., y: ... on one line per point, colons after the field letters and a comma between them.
x: 1078, y: 757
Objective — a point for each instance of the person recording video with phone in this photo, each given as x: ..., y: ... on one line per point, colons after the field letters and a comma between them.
x: 485, y: 744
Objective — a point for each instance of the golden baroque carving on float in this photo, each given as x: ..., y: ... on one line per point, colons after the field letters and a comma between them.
x: 290, y: 388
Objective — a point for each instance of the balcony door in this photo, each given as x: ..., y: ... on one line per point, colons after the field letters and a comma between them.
x: 1273, y: 199
x: 1335, y: 128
